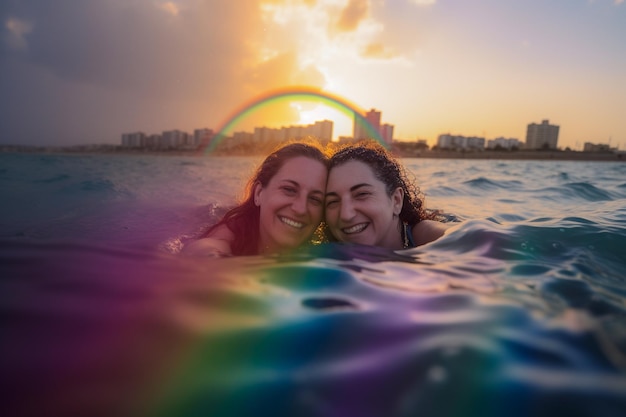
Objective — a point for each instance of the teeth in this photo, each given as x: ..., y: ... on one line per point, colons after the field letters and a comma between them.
x: 355, y: 229
x: 292, y: 223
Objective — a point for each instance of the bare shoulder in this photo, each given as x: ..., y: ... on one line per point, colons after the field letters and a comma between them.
x: 223, y: 233
x: 428, y: 231
x: 217, y: 244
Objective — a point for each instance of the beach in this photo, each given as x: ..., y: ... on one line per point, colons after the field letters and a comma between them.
x: 399, y: 149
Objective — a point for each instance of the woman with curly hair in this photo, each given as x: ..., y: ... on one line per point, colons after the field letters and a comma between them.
x: 370, y: 201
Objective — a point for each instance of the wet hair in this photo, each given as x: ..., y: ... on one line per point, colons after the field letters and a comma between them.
x: 244, y: 219
x: 391, y: 173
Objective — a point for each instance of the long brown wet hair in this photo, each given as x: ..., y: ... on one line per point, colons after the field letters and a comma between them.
x: 243, y: 220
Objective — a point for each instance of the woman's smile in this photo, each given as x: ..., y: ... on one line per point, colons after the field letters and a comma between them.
x: 291, y: 205
x: 358, y: 207
x: 291, y: 222
x: 357, y: 228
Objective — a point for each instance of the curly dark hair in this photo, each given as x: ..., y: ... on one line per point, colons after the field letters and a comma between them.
x: 243, y: 220
x: 388, y: 170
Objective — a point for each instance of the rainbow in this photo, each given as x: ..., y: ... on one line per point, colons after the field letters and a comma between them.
x: 290, y: 94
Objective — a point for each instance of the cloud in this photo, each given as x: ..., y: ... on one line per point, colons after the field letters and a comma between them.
x: 15, y: 31
x: 352, y: 15
x: 71, y: 68
x: 353, y: 31
x: 423, y: 2
x: 615, y: 2
x: 281, y: 70
x: 137, y: 48
x: 377, y: 51
x: 169, y: 7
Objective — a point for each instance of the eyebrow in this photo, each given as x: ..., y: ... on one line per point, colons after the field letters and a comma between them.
x: 297, y: 184
x: 352, y: 189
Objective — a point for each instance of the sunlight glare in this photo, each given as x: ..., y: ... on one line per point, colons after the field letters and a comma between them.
x: 310, y: 113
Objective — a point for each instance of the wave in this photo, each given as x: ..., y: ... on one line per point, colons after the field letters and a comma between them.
x: 53, y: 179
x: 332, y: 330
x: 519, y: 309
x: 484, y: 183
x: 576, y: 191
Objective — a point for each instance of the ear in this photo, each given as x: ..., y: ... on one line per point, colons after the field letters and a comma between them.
x: 397, y: 200
x: 257, y: 193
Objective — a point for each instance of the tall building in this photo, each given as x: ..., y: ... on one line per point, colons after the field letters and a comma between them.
x: 323, y: 130
x: 386, y: 133
x: 448, y: 141
x: 264, y: 134
x: 133, y: 140
x: 202, y: 136
x: 360, y: 131
x: 171, y: 139
x: 153, y: 141
x: 503, y: 143
x: 542, y: 136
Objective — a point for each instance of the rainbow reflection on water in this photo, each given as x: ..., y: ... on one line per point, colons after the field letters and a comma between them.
x: 518, y: 310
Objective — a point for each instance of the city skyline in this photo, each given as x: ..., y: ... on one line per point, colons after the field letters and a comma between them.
x: 538, y: 137
x: 83, y: 72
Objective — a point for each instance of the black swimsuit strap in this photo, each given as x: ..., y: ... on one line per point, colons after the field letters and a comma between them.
x: 408, y: 236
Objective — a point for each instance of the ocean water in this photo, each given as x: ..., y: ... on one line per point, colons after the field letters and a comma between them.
x: 519, y: 310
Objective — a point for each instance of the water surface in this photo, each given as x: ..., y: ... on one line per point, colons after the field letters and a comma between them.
x: 519, y: 310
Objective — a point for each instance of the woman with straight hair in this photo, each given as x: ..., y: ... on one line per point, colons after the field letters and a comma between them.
x: 282, y: 208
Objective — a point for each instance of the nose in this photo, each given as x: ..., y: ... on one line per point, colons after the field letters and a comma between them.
x: 346, y: 211
x: 299, y: 204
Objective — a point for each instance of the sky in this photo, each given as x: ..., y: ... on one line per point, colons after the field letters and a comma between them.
x: 86, y: 71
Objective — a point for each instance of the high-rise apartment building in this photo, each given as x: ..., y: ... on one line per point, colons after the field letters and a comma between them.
x: 323, y: 130
x: 373, y: 117
x: 202, y: 136
x: 133, y: 140
x: 386, y: 133
x: 171, y: 139
x: 542, y: 136
x: 360, y: 131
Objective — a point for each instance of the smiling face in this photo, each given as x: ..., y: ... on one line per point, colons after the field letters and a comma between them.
x: 291, y: 205
x: 359, y: 209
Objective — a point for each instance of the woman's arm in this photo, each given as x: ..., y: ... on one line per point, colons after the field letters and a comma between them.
x: 217, y: 244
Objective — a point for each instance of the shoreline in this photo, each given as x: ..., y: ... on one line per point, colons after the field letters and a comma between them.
x: 520, y: 155
x: 400, y: 153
